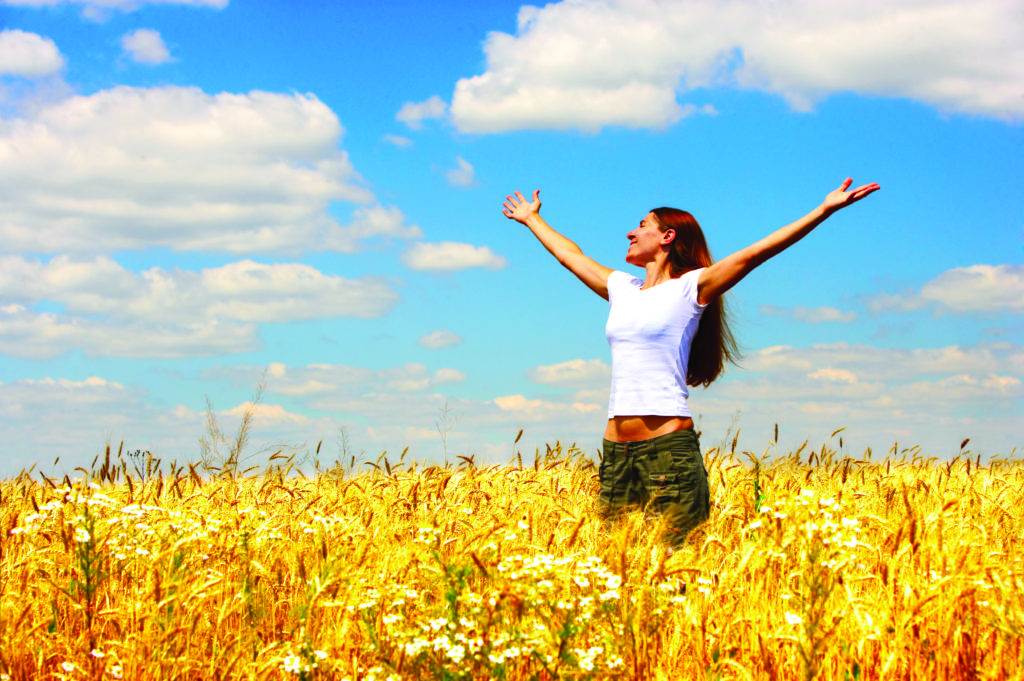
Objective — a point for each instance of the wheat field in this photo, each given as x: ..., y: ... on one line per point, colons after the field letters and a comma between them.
x: 814, y: 564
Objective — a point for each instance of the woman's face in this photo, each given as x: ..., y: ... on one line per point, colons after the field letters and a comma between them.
x: 645, y: 241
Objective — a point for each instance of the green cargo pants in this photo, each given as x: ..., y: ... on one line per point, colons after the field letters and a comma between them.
x: 665, y: 474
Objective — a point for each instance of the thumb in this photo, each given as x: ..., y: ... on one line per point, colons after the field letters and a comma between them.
x: 536, y: 195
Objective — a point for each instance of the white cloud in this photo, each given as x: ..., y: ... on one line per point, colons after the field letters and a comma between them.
x: 572, y: 372
x: 544, y: 410
x: 47, y: 417
x: 131, y: 168
x: 398, y: 141
x: 40, y: 335
x: 931, y: 397
x: 880, y: 364
x: 977, y: 288
x: 462, y: 175
x: 447, y: 375
x: 27, y: 54
x: 414, y: 113
x: 100, y: 10
x: 834, y: 375
x: 108, y: 310
x: 273, y: 413
x: 877, y: 389
x: 402, y: 405
x: 960, y: 388
x: 145, y: 46
x: 339, y: 381
x: 451, y: 255
x: 589, y: 64
x: 371, y: 222
x: 811, y: 315
x: 442, y: 338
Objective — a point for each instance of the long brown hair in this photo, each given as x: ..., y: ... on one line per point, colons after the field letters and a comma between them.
x: 714, y: 344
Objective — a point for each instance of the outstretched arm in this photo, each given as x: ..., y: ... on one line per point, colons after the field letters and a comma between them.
x: 590, y: 272
x: 726, y: 273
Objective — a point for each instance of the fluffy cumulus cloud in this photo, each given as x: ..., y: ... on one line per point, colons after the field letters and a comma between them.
x: 936, y: 395
x: 369, y: 222
x: 100, y: 10
x: 412, y: 114
x: 410, y: 405
x: 543, y: 410
x: 173, y: 167
x: 886, y: 363
x: 811, y: 315
x: 351, y: 410
x: 399, y: 141
x: 27, y: 54
x: 572, y: 372
x: 442, y: 338
x: 73, y: 419
x: 932, y: 397
x: 463, y: 175
x: 336, y: 383
x: 446, y: 256
x: 108, y: 310
x: 122, y: 5
x: 145, y: 46
x: 977, y: 288
x: 586, y: 64
x: 273, y: 413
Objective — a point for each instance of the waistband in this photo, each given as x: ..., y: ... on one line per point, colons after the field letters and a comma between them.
x: 687, y: 436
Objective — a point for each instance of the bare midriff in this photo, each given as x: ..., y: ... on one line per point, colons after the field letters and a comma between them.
x: 636, y: 428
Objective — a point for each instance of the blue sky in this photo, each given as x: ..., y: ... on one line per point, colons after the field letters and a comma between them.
x: 198, y: 193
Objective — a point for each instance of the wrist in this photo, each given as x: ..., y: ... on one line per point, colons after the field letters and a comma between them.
x: 532, y: 220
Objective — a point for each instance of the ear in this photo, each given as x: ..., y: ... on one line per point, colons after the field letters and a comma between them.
x: 668, y: 236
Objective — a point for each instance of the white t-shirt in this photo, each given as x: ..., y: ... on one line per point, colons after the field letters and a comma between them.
x: 650, y: 332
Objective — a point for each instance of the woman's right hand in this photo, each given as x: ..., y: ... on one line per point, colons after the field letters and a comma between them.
x: 519, y: 209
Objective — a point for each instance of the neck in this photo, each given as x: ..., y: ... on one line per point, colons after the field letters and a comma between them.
x: 658, y: 270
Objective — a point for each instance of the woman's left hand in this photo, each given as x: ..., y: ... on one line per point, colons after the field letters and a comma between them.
x: 841, y: 198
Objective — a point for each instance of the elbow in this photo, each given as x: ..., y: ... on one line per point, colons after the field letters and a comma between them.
x: 752, y: 258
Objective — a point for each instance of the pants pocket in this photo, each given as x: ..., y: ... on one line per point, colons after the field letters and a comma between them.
x: 662, y: 488
x: 615, y: 481
x: 682, y: 480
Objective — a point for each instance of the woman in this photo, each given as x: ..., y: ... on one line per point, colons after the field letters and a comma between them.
x: 665, y: 332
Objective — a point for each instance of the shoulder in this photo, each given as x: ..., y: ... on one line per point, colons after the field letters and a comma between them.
x: 620, y: 278
x: 694, y: 274
x: 690, y: 283
x: 619, y: 281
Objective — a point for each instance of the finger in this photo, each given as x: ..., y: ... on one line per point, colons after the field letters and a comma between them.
x: 508, y: 206
x: 536, y: 195
x: 846, y: 183
x: 520, y: 197
x: 861, y: 192
x: 511, y: 199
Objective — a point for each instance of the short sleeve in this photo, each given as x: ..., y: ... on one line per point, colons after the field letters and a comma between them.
x: 690, y: 287
x: 616, y: 280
